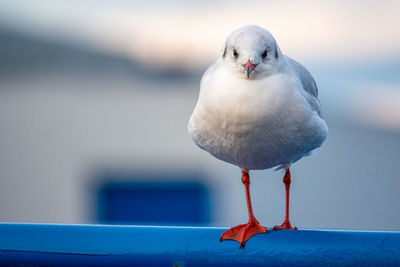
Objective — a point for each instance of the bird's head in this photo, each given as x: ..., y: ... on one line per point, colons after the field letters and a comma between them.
x: 252, y: 53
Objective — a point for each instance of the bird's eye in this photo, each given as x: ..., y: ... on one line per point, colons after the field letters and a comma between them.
x: 265, y: 54
x: 235, y: 53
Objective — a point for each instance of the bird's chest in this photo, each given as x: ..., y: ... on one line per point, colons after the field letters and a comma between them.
x: 249, y: 125
x: 248, y: 109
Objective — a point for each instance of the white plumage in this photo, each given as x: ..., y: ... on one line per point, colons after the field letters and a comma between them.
x: 267, y: 117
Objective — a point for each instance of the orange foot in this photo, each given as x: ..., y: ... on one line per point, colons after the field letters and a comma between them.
x: 244, y: 232
x: 284, y: 225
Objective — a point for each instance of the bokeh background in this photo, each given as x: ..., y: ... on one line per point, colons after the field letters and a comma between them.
x: 95, y: 97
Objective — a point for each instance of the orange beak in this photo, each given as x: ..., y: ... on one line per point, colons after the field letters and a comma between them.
x: 249, y: 67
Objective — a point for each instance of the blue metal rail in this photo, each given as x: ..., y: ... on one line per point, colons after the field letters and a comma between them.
x: 100, y: 245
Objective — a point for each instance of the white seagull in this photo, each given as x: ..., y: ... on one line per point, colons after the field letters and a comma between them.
x: 257, y: 109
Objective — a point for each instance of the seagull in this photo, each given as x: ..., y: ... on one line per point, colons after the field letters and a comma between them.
x: 257, y: 109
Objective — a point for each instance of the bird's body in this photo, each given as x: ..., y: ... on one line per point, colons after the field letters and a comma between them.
x: 257, y: 109
x: 257, y: 124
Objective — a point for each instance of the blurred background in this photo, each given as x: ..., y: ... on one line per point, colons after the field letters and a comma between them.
x: 95, y: 97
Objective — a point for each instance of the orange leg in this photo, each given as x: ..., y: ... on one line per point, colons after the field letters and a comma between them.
x: 244, y: 232
x: 286, y: 223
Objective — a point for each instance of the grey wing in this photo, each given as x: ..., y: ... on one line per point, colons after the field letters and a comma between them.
x: 207, y: 74
x: 308, y: 82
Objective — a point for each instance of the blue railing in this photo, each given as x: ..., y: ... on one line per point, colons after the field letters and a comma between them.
x: 99, y: 245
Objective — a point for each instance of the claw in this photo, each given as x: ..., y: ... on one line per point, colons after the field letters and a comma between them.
x: 285, y: 225
x: 243, y: 232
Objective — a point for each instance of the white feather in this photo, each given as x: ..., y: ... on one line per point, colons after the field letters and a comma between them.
x: 262, y: 122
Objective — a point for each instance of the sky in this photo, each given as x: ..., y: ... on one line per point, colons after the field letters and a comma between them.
x: 191, y: 33
x: 336, y: 40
